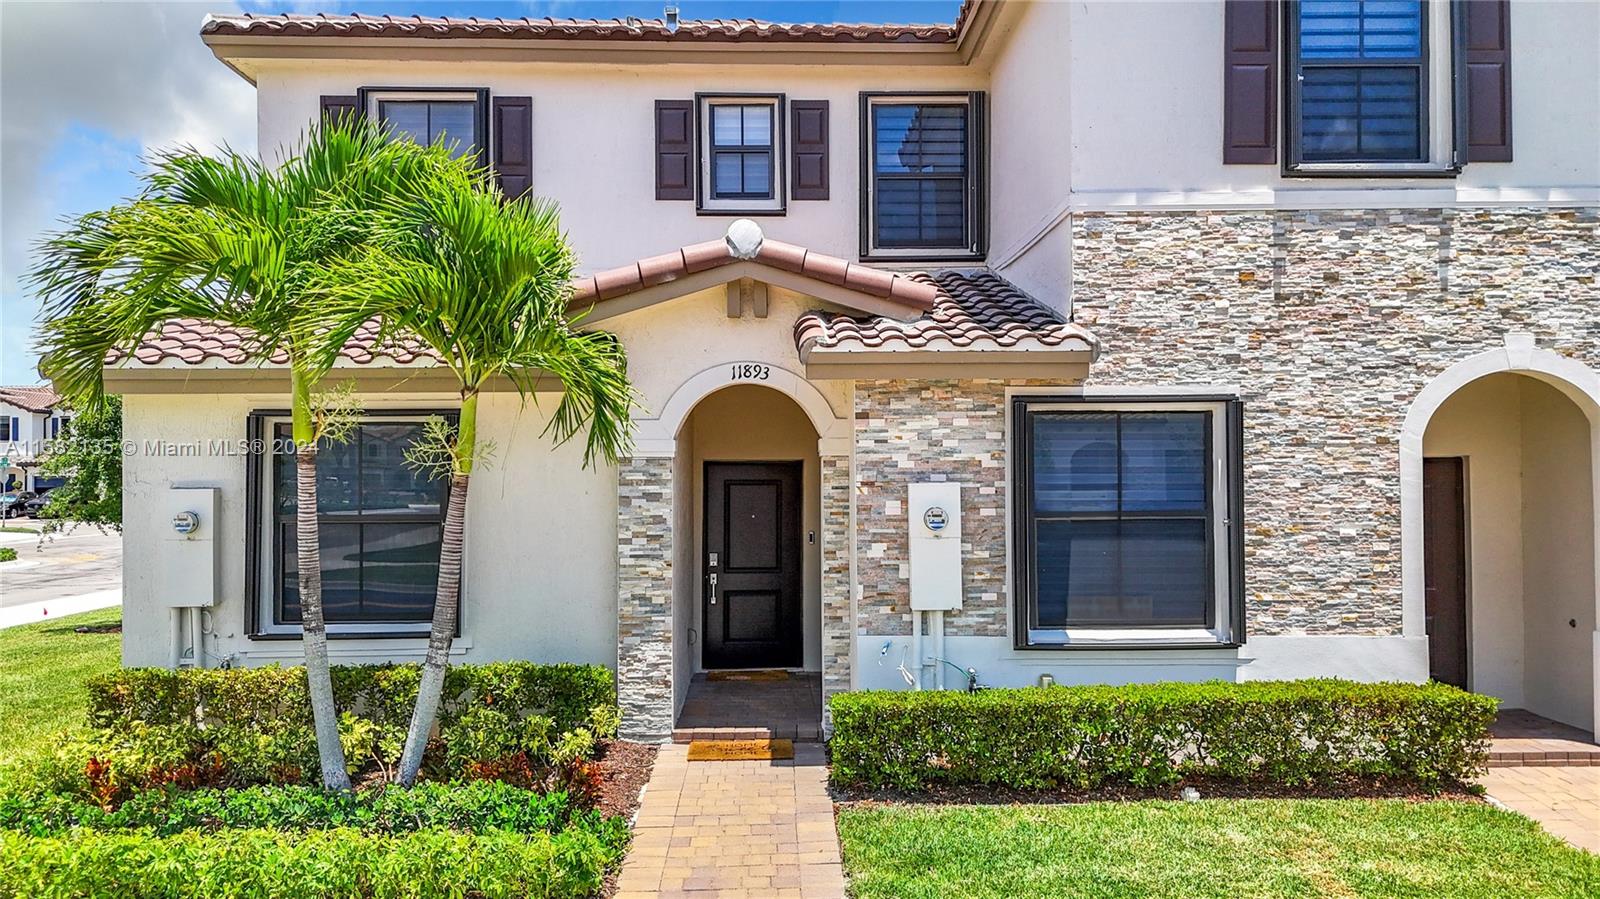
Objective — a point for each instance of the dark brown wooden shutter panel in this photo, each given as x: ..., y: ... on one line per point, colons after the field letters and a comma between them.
x: 1250, y: 82
x: 513, y: 145
x: 1488, y: 67
x: 674, y: 149
x: 338, y: 107
x: 808, y: 155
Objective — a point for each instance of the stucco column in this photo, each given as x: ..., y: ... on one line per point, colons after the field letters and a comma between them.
x: 644, y: 596
x: 838, y: 620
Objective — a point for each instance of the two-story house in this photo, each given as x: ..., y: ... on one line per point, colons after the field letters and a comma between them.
x: 30, y: 417
x: 1105, y: 341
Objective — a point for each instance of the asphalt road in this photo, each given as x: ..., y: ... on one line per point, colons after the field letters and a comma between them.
x: 68, y: 565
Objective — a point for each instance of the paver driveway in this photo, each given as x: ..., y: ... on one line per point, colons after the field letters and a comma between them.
x: 735, y: 829
x: 1564, y: 799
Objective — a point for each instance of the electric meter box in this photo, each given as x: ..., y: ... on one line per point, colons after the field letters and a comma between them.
x: 933, y: 513
x: 187, y: 573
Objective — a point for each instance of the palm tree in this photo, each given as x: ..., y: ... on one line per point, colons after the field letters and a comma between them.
x: 235, y: 242
x: 485, y: 284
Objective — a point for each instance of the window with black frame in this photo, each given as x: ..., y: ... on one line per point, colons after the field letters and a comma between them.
x: 1358, y: 81
x: 1121, y: 522
x: 455, y: 119
x: 922, y: 176
x: 742, y: 151
x: 381, y: 527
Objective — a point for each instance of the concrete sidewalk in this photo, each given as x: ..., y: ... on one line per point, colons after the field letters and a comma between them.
x: 735, y: 829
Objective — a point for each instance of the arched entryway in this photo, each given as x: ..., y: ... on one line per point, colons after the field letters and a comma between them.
x: 748, y: 576
x: 1499, y: 529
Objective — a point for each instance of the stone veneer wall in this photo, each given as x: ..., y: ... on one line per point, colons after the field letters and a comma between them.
x: 1329, y: 322
x: 836, y: 613
x: 644, y: 596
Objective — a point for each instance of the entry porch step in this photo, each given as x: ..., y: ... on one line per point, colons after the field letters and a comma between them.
x: 799, y: 733
x: 1522, y: 739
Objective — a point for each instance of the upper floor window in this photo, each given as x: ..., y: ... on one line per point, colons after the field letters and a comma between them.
x: 1360, y: 79
x: 922, y: 176
x: 457, y: 119
x: 741, y: 158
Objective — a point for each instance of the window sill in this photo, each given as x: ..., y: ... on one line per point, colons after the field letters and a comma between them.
x: 294, y: 636
x: 715, y: 211
x: 891, y: 257
x: 1377, y: 171
x: 395, y: 648
x: 1125, y: 638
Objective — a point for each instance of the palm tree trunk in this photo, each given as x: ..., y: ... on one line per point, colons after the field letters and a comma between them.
x: 447, y: 599
x: 319, y: 677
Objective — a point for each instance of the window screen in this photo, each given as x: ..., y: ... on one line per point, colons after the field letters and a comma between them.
x: 1361, y: 80
x: 921, y: 175
x: 742, y: 151
x: 451, y: 122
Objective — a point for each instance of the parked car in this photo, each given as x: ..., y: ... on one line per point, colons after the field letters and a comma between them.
x: 11, y: 504
x: 35, y: 508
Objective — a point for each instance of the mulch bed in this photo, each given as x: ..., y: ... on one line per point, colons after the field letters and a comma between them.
x: 1209, y: 789
x: 624, y: 766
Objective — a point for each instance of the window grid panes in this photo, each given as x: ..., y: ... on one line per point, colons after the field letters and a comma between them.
x: 450, y: 122
x: 1361, y: 80
x: 1121, y: 519
x: 920, y: 175
x: 742, y: 151
x: 381, y: 525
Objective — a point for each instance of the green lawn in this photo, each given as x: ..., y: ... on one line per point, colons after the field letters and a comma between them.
x: 1221, y: 848
x: 42, y: 670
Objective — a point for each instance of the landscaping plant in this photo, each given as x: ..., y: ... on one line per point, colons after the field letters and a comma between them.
x: 235, y: 242
x: 484, y: 283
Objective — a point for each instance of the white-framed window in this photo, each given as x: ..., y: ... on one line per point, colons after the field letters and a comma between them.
x: 381, y: 526
x: 456, y: 118
x: 1126, y: 521
x: 1370, y: 86
x: 741, y: 139
x: 923, y: 188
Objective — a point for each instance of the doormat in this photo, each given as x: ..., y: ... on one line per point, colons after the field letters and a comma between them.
x: 766, y: 675
x: 740, y: 750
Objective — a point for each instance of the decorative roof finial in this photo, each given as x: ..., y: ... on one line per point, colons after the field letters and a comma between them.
x: 744, y: 239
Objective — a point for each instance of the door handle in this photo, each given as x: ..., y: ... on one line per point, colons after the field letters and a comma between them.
x: 713, y: 588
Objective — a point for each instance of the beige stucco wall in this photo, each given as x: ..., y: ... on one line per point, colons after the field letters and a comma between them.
x: 1558, y: 556
x: 1531, y: 541
x: 532, y: 511
x: 1483, y: 423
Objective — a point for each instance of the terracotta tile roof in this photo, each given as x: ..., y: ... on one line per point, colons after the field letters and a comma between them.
x: 710, y: 254
x: 629, y: 29
x: 974, y: 309
x: 33, y: 399
x: 193, y: 341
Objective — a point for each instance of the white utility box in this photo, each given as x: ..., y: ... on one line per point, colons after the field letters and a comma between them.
x: 933, y: 513
x: 186, y: 574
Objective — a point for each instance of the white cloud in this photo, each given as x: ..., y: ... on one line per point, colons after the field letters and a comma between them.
x: 136, y: 72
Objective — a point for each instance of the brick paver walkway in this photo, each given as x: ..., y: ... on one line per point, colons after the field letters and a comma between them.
x: 735, y: 829
x: 1565, y: 799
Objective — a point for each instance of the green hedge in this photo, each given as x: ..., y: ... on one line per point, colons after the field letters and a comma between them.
x: 1290, y: 732
x: 472, y: 807
x: 382, y: 694
x: 334, y: 864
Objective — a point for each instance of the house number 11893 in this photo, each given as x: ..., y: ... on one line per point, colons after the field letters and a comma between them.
x: 750, y: 371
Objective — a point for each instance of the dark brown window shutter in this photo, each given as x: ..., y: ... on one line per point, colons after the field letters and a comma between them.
x: 1250, y: 82
x: 1488, y: 72
x: 513, y: 144
x: 808, y: 153
x: 337, y: 107
x: 674, y: 149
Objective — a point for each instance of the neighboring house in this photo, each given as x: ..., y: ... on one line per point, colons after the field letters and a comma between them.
x: 1108, y: 341
x: 30, y: 417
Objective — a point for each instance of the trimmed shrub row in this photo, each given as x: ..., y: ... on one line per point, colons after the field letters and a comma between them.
x: 333, y: 864
x: 470, y: 807
x: 382, y: 694
x: 1288, y: 732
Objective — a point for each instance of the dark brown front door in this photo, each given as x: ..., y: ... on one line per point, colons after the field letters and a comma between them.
x: 1444, y: 564
x: 751, y: 592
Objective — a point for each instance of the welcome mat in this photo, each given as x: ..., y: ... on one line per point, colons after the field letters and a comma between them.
x: 770, y: 674
x: 740, y: 750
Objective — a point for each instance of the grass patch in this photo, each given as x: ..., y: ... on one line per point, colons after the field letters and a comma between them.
x: 42, y: 670
x: 1220, y: 848
x: 17, y: 529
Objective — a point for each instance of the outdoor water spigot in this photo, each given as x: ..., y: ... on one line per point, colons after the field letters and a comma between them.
x: 972, y: 680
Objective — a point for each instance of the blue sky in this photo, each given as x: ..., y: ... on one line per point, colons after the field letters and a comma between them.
x: 76, y: 120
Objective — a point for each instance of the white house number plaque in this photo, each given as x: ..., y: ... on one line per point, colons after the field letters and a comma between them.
x: 749, y: 371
